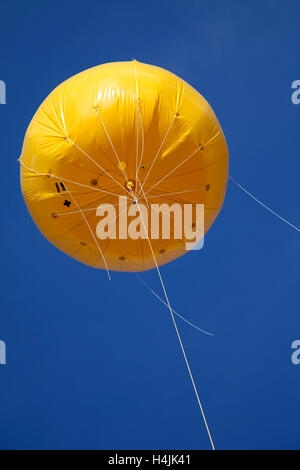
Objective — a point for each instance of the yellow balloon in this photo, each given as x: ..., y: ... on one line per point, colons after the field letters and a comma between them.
x: 123, y: 128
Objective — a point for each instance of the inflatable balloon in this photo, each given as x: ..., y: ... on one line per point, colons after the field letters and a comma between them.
x: 121, y: 129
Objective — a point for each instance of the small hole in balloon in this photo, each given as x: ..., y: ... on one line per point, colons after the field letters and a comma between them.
x: 162, y: 251
x: 94, y: 182
x: 54, y: 215
x: 207, y: 187
x: 122, y: 258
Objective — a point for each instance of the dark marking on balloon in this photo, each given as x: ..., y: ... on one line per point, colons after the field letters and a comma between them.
x: 67, y: 203
x: 62, y: 187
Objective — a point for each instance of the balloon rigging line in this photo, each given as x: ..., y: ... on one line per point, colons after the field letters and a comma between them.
x: 192, y: 172
x: 137, y: 145
x: 136, y: 86
x: 144, y: 282
x: 159, y: 149
x: 137, y: 124
x: 139, y: 116
x: 143, y: 137
x: 162, y: 220
x: 176, y: 313
x: 92, y: 208
x: 143, y: 193
x: 55, y: 193
x: 51, y: 175
x: 63, y: 118
x: 158, y: 212
x: 172, y: 171
x: 177, y: 331
x: 213, y: 138
x: 91, y: 231
x: 117, y: 216
x: 182, y: 201
x: 112, y: 145
x: 87, y: 155
x: 93, y: 160
x: 177, y: 192
x: 179, y: 337
x: 262, y: 204
x: 156, y: 295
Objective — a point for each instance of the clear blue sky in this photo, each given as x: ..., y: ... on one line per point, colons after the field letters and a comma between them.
x: 94, y: 364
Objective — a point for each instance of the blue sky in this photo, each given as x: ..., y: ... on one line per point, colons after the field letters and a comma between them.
x: 93, y: 364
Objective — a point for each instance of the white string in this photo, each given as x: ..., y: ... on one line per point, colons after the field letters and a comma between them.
x: 136, y: 86
x: 87, y: 155
x: 143, y: 137
x: 91, y: 208
x: 177, y: 192
x: 138, y: 117
x: 137, y: 143
x: 137, y: 124
x: 112, y: 145
x: 172, y: 171
x: 51, y: 175
x: 142, y: 190
x: 159, y: 149
x: 178, y: 335
x: 91, y: 231
x: 63, y: 118
x: 176, y: 313
x: 157, y: 212
x: 262, y: 204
